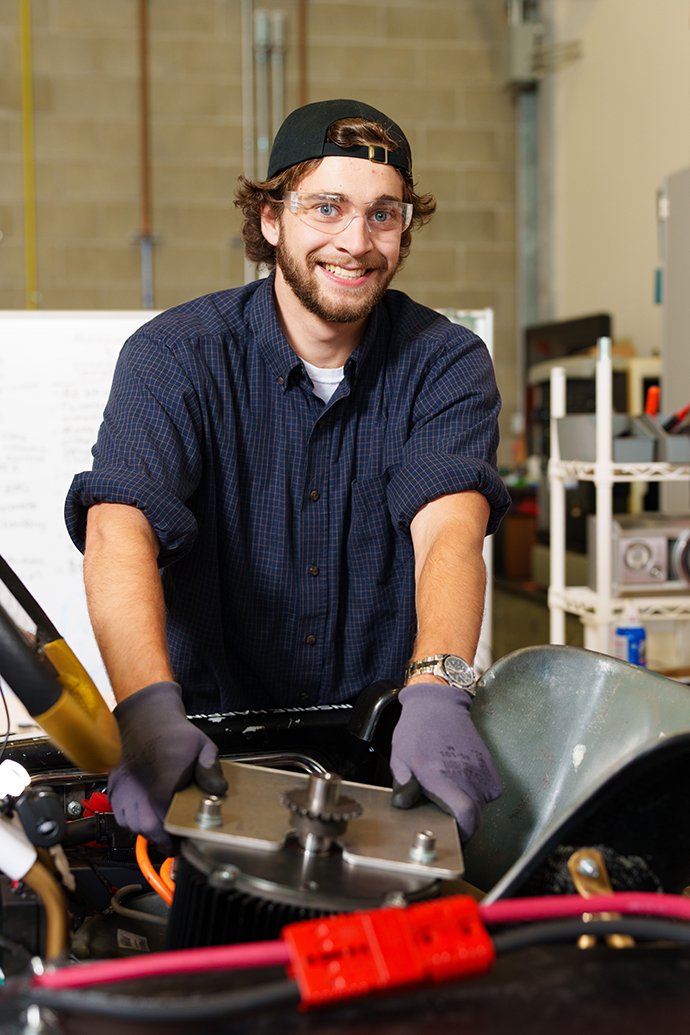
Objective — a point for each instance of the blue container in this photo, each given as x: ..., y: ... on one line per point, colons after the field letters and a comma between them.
x: 630, y: 642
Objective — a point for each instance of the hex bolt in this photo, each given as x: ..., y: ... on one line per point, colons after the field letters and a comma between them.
x: 74, y: 809
x: 588, y: 868
x: 423, y: 847
x: 209, y: 813
x: 225, y: 875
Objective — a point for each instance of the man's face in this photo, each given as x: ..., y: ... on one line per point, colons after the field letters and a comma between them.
x: 339, y: 277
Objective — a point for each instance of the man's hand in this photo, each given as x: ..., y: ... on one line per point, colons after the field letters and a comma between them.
x: 162, y: 752
x: 437, y: 752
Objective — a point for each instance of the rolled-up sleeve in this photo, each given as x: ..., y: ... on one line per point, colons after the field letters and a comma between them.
x: 453, y: 436
x: 147, y: 453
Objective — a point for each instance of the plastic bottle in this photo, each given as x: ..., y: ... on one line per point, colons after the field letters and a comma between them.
x: 630, y: 637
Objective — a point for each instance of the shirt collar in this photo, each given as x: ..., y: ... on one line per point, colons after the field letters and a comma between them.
x: 273, y: 345
x: 284, y: 364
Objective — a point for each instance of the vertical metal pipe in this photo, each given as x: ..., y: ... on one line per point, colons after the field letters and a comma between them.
x: 527, y: 114
x: 248, y: 108
x: 302, y: 73
x: 146, y: 267
x: 556, y: 513
x: 604, y: 489
x: 485, y: 648
x: 145, y: 236
x: 516, y: 11
x: 527, y: 197
x: 262, y: 47
x: 277, y: 71
x: 30, y: 250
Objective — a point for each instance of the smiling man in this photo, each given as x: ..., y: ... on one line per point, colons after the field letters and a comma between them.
x: 361, y: 258
x: 292, y: 485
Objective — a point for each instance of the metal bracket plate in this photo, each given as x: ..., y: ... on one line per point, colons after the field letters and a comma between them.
x: 252, y: 816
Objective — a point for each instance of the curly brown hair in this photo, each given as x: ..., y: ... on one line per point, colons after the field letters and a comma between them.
x: 250, y: 196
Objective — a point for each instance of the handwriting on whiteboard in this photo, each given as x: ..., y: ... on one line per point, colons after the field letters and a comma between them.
x: 55, y: 374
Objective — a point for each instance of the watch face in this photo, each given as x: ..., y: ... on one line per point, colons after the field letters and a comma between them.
x: 458, y: 671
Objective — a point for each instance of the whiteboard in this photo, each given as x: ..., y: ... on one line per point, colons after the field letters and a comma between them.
x: 55, y: 374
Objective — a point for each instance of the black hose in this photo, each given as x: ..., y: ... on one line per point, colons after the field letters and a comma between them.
x: 642, y: 927
x: 172, y: 1008
x: 33, y: 681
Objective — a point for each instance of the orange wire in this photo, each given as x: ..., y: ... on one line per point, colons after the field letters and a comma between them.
x: 165, y: 873
x: 141, y: 851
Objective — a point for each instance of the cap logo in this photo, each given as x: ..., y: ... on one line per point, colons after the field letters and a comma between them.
x: 378, y: 153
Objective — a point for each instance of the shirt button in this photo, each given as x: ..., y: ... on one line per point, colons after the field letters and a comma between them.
x: 303, y: 697
x: 314, y: 495
x: 313, y: 569
x: 280, y: 380
x: 310, y: 640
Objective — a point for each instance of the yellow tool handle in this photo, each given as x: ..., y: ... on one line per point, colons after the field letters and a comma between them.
x: 79, y: 722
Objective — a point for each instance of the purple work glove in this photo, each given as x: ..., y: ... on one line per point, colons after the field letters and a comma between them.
x: 437, y: 752
x: 162, y: 752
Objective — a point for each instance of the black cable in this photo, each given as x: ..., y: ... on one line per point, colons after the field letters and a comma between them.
x: 80, y: 855
x: 31, y: 676
x: 285, y: 992
x: 80, y: 831
x: 118, y: 906
x: 5, y: 742
x: 642, y: 927
x: 172, y: 1008
x: 45, y: 629
x: 14, y: 947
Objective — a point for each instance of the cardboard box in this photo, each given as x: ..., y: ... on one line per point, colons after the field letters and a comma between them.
x: 517, y: 534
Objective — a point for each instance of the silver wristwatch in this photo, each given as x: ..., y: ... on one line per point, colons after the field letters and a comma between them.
x: 452, y: 669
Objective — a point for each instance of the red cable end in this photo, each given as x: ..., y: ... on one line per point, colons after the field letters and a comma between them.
x: 651, y: 405
x: 354, y: 954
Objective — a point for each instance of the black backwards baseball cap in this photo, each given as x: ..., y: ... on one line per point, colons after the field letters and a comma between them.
x: 303, y: 135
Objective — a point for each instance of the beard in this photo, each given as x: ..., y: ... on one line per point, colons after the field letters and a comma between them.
x: 302, y: 279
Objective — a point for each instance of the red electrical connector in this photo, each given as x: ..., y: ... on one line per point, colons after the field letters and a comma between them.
x: 350, y: 955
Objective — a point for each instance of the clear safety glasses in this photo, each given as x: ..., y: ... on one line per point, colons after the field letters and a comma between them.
x: 333, y: 213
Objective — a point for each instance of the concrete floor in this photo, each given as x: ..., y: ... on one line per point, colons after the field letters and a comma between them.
x: 521, y: 619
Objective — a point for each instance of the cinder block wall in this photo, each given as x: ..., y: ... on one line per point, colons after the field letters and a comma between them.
x: 434, y: 65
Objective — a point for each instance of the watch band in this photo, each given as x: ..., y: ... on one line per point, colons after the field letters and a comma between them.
x: 453, y: 670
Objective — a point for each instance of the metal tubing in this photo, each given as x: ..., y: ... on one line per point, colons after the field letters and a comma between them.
x: 52, y: 898
x: 30, y: 249
x: 146, y: 265
x: 277, y: 70
x: 248, y: 157
x: 604, y: 485
x: 262, y: 46
x: 145, y: 237
x: 557, y: 513
x: 302, y: 76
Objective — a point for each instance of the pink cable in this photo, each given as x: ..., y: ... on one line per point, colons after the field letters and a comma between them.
x: 275, y: 953
x: 159, y: 964
x: 525, y: 910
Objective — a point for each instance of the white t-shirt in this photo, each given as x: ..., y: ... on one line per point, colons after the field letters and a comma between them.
x: 326, y: 379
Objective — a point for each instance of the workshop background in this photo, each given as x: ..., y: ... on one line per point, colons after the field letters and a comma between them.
x: 434, y: 66
x: 544, y: 129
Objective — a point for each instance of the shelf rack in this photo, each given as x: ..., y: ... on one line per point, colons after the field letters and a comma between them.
x: 597, y: 610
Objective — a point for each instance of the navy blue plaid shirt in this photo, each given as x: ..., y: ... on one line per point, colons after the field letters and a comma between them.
x: 283, y: 522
